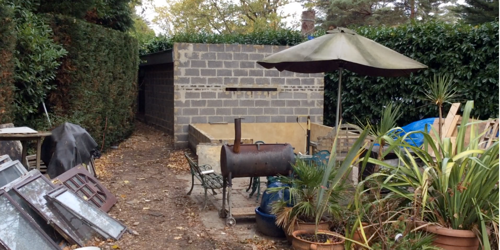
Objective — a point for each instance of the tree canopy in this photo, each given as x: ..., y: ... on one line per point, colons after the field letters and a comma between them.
x: 371, y: 12
x: 478, y: 11
x: 220, y: 16
x: 141, y: 30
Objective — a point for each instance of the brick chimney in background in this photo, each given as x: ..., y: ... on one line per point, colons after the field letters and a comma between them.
x: 308, y: 17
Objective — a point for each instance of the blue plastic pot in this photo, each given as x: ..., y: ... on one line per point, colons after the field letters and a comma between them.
x: 266, y: 224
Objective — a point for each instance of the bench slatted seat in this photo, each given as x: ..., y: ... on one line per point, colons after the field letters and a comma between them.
x: 205, y: 174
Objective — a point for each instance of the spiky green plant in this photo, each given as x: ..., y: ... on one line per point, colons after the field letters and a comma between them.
x: 440, y: 91
x: 385, y: 128
x: 304, y: 189
x: 457, y: 188
x: 314, y: 191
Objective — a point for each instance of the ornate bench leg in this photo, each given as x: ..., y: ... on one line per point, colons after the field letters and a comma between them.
x: 192, y: 184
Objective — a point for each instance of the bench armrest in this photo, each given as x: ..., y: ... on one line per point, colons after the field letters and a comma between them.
x: 207, y: 172
x: 204, y: 167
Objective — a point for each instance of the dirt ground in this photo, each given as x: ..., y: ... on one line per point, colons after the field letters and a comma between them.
x: 152, y: 202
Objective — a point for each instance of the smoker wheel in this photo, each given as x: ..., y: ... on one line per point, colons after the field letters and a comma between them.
x: 230, y: 221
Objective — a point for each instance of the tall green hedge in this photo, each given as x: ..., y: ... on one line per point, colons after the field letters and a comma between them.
x: 269, y: 37
x: 97, y: 81
x: 7, y: 45
x: 469, y: 53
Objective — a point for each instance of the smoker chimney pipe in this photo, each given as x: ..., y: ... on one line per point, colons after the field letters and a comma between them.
x: 237, y: 135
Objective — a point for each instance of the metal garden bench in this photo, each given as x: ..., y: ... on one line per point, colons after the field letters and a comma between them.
x: 206, y: 175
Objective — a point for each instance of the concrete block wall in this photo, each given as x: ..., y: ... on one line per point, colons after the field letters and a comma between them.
x: 196, y: 137
x: 203, y: 72
x: 159, y: 101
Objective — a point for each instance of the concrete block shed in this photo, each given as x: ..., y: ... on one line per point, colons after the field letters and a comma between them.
x: 216, y: 83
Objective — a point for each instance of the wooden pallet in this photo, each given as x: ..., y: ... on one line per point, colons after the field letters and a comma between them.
x: 490, y: 133
x: 488, y: 129
x: 31, y: 163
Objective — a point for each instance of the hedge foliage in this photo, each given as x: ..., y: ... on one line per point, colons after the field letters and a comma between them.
x: 7, y: 45
x: 469, y: 53
x: 97, y: 81
x: 270, y: 37
x: 115, y: 14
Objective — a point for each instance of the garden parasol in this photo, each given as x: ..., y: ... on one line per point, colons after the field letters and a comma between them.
x: 342, y: 49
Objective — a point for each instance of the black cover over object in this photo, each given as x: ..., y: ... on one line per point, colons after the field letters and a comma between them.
x: 68, y: 146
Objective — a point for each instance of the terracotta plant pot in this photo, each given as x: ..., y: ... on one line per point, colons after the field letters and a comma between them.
x: 301, y: 244
x: 357, y: 236
x: 308, y: 226
x: 453, y: 239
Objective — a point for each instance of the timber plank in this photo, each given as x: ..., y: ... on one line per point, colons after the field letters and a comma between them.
x: 448, y: 121
x: 243, y: 212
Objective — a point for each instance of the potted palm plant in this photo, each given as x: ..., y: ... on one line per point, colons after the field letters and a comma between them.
x: 299, y: 212
x: 456, y: 190
x: 314, y: 196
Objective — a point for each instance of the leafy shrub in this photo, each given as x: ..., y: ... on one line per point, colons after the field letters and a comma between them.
x: 7, y: 45
x: 36, y: 58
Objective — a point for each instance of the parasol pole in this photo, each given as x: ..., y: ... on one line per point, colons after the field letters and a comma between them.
x: 337, y: 116
x: 46, y: 113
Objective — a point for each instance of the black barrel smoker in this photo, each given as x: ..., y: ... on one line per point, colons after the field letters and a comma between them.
x: 251, y: 160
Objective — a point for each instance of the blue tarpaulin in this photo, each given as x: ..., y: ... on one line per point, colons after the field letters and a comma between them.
x: 417, y: 139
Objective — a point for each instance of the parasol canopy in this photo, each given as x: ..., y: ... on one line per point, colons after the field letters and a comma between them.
x: 342, y: 49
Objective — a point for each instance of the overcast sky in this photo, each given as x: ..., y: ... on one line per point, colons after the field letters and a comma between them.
x: 295, y: 9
